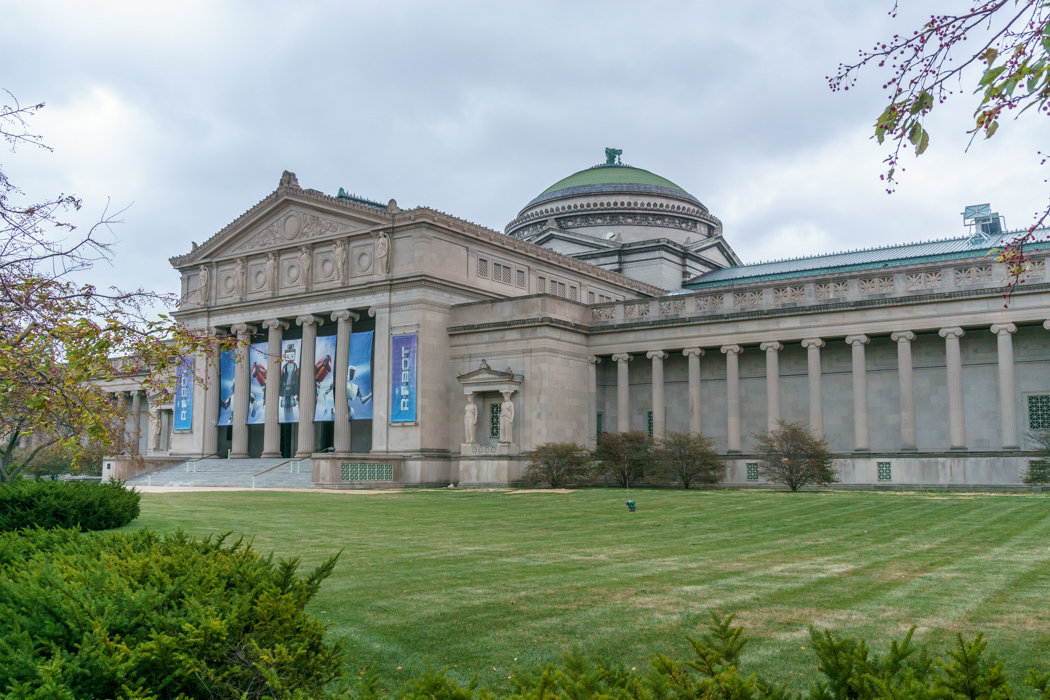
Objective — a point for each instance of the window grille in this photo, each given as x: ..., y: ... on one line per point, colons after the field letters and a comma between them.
x: 885, y: 471
x: 590, y: 297
x: 1039, y: 412
x: 494, y: 411
x: 363, y: 471
x: 541, y: 285
x: 649, y: 422
x: 752, y: 471
x: 506, y: 274
x: 601, y: 423
x: 519, y: 279
x: 573, y: 294
x: 483, y: 268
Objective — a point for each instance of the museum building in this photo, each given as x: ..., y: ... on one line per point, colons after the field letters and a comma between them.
x: 389, y: 347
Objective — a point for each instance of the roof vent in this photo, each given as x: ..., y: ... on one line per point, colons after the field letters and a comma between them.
x: 984, y: 224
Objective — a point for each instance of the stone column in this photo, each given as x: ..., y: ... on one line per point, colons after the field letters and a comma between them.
x: 272, y: 428
x: 136, y: 421
x: 956, y: 412
x: 659, y: 411
x: 1007, y: 405
x: 623, y: 417
x: 209, y: 367
x: 772, y: 349
x: 381, y: 380
x: 694, y: 355
x: 307, y: 385
x: 816, y: 396
x: 344, y: 319
x: 241, y: 390
x: 732, y: 353
x: 907, y: 385
x: 122, y: 408
x: 860, y: 393
x: 592, y: 400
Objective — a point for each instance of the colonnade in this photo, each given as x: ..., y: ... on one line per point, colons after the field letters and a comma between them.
x: 953, y: 355
x: 275, y: 328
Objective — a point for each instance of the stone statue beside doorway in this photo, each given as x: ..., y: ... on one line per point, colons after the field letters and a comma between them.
x: 506, y: 419
x: 470, y: 421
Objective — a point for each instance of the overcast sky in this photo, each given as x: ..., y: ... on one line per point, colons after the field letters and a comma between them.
x: 189, y: 112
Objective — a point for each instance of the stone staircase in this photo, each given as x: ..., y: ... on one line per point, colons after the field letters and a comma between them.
x: 240, y: 473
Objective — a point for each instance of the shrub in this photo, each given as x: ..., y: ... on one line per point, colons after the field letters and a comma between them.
x: 78, y: 505
x: 687, y: 459
x: 794, y: 456
x: 137, y: 615
x: 556, y: 463
x: 624, y: 455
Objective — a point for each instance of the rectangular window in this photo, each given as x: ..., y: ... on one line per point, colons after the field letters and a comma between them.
x: 885, y: 471
x: 541, y: 285
x: 590, y: 297
x: 752, y: 471
x: 1039, y: 412
x: 500, y: 273
x: 483, y: 268
x: 494, y: 411
x: 573, y: 294
x: 601, y: 423
x: 649, y: 422
x: 519, y: 279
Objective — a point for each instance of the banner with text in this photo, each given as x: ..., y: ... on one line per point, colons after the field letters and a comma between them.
x: 403, y: 379
x: 359, y: 376
x: 184, y: 395
x: 227, y: 373
x: 324, y: 375
x: 257, y: 383
x: 289, y: 391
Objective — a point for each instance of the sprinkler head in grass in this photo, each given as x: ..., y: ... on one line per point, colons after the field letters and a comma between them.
x: 631, y: 506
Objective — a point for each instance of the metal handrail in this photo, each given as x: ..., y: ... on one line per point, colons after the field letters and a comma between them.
x: 281, y: 464
x: 199, y: 459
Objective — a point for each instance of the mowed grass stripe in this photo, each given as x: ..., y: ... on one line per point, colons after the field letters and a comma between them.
x: 433, y: 575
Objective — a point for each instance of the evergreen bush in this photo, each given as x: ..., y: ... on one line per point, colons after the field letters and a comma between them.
x: 26, y: 503
x: 138, y: 615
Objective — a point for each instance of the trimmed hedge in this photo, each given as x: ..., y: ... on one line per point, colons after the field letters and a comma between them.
x: 26, y: 503
x: 137, y: 615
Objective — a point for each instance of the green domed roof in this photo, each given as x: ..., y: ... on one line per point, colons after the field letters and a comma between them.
x: 611, y: 175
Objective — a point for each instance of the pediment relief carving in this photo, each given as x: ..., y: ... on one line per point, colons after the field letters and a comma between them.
x: 291, y: 228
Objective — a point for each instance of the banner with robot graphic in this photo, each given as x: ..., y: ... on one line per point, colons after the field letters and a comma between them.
x: 288, y: 396
x: 359, y: 376
x: 184, y: 395
x: 257, y: 383
x: 324, y: 376
x: 227, y: 373
x: 403, y: 379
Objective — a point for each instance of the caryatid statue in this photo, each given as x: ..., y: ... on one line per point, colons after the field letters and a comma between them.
x: 339, y: 250
x: 271, y: 272
x: 202, y: 285
x: 470, y: 421
x: 305, y: 258
x: 154, y: 429
x: 506, y: 419
x: 383, y: 252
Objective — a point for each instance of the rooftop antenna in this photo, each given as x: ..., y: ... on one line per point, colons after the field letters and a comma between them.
x: 983, y: 223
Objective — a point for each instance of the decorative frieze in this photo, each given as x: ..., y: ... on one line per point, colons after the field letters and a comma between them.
x: 603, y: 313
x: 714, y: 302
x: 976, y: 274
x: 636, y: 310
x: 876, y: 285
x: 294, y: 226
x: 923, y: 280
x: 672, y: 306
x: 788, y: 295
x: 751, y: 298
x: 832, y: 290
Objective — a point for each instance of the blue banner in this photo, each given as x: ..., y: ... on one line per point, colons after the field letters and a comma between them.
x: 257, y: 383
x: 184, y: 395
x: 227, y: 372
x: 324, y: 375
x: 403, y: 379
x: 359, y: 376
x: 289, y: 393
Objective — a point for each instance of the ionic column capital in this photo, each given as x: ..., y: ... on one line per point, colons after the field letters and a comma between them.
x: 771, y: 345
x: 309, y: 320
x: 952, y: 332
x: 593, y: 360
x: 857, y: 340
x: 902, y: 336
x: 274, y: 323
x: 345, y: 315
x: 242, y: 329
x: 622, y: 357
x: 732, y: 349
x: 693, y: 352
x: 1003, y: 328
x: 812, y: 342
x: 656, y: 355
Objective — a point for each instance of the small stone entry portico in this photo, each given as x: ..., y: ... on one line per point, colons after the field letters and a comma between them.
x: 490, y: 443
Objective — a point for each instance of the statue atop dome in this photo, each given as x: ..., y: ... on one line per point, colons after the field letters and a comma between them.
x: 612, y: 156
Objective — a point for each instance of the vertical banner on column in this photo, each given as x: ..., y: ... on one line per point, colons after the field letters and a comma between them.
x: 403, y: 379
x: 257, y: 383
x: 324, y: 375
x: 289, y: 394
x: 359, y: 376
x: 227, y: 373
x: 184, y: 395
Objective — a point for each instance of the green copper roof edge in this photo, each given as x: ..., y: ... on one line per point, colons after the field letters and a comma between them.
x: 824, y: 271
x: 651, y: 179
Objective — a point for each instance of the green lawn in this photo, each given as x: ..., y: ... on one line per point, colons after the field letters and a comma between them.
x: 491, y: 580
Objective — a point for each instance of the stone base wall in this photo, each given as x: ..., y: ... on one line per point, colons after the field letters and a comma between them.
x: 124, y: 468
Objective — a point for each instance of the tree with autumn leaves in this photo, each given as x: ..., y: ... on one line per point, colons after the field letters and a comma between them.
x: 60, y: 339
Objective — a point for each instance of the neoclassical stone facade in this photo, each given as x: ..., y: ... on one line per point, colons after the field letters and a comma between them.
x: 484, y: 345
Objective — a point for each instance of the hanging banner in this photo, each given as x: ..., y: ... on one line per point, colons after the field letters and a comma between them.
x: 359, y: 376
x: 257, y: 383
x: 324, y: 375
x: 403, y: 379
x: 184, y: 395
x: 227, y: 373
x: 289, y: 392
